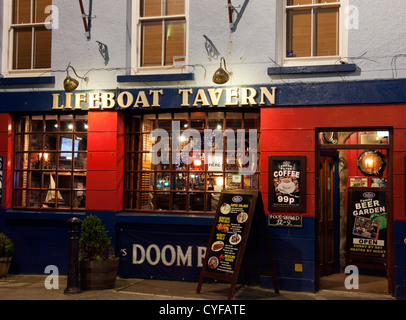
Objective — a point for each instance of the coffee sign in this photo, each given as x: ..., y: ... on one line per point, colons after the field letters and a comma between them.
x: 287, y: 182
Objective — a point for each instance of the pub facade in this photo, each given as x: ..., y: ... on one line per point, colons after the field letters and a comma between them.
x: 144, y: 112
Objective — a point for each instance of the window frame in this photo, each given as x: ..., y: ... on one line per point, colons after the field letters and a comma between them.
x: 8, y: 48
x: 30, y: 159
x: 136, y: 43
x: 315, y: 60
x: 133, y: 188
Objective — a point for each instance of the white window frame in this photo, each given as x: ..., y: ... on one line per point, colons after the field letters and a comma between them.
x: 7, y: 48
x: 136, y: 42
x: 317, y: 60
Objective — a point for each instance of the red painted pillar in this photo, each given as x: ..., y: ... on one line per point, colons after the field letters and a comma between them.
x: 6, y: 150
x: 105, y: 161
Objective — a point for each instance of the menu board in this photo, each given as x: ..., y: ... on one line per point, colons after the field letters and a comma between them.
x: 239, y: 212
x: 287, y: 183
x: 367, y: 221
x: 229, y: 232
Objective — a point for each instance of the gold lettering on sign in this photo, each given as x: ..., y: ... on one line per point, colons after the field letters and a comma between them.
x: 79, y: 98
x: 185, y: 96
x: 94, y: 100
x: 270, y: 96
x: 120, y: 99
x: 155, y: 97
x: 68, y: 100
x: 231, y: 97
x: 142, y: 99
x: 108, y: 101
x: 215, y: 96
x: 55, y: 102
x: 201, y: 98
x: 146, y: 99
x: 248, y: 96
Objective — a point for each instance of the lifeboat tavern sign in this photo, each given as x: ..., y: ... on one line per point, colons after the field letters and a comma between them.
x: 164, y: 98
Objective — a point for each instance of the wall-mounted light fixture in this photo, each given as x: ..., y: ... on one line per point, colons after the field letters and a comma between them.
x: 371, y: 163
x: 69, y: 83
x: 221, y: 76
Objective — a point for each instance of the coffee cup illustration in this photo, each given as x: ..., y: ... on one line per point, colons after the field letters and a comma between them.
x: 286, y: 185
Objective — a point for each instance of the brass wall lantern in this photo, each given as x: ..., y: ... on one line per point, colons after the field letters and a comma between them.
x: 70, y: 83
x: 221, y: 76
x: 371, y: 163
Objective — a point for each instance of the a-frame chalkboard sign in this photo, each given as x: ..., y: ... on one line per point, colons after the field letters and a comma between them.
x: 239, y: 240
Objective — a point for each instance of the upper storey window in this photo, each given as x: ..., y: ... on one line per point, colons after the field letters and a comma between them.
x: 30, y: 35
x: 313, y: 29
x: 162, y: 32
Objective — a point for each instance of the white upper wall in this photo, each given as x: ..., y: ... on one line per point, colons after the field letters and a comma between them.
x: 379, y: 43
x: 377, y: 46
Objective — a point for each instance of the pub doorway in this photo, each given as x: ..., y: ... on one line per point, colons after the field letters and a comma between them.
x: 353, y: 208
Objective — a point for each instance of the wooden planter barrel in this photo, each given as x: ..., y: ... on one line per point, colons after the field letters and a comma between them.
x: 4, y: 266
x: 98, y: 275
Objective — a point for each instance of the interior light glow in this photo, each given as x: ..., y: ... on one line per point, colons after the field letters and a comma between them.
x: 219, y: 181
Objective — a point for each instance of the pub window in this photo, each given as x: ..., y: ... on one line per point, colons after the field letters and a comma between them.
x: 187, y: 186
x: 31, y: 36
x: 162, y: 32
x: 50, y: 162
x: 312, y: 28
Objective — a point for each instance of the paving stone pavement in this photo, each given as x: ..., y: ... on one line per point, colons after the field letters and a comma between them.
x: 32, y: 287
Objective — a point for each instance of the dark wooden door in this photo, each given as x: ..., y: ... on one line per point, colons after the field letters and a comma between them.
x: 326, y: 216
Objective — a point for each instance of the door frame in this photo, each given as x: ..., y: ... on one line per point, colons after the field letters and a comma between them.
x: 389, y: 204
x: 333, y: 155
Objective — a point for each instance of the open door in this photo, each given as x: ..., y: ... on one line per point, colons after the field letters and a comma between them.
x: 343, y: 163
x: 326, y: 218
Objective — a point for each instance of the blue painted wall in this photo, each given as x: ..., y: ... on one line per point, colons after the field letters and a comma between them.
x: 41, y: 239
x: 291, y: 246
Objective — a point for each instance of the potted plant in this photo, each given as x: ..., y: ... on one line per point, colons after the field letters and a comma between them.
x: 6, y: 252
x: 98, y: 264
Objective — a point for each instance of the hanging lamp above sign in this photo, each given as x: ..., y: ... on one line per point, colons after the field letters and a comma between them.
x: 221, y: 76
x: 70, y: 84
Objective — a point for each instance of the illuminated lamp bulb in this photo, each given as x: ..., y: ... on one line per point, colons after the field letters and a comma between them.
x: 219, y: 181
x: 369, y: 163
x: 197, y: 162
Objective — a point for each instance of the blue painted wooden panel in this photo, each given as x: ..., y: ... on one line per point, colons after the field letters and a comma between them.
x: 156, y: 77
x: 335, y: 68
x: 27, y: 80
x: 290, y: 94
